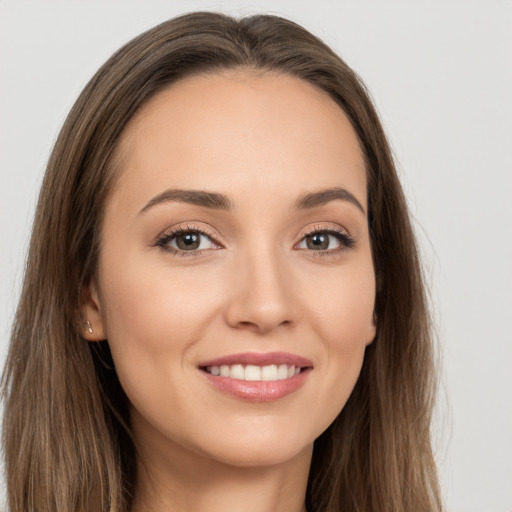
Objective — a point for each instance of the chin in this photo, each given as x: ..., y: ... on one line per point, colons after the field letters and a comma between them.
x: 258, y: 451
x: 263, y: 458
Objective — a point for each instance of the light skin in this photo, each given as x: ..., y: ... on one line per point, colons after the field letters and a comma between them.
x: 257, y: 281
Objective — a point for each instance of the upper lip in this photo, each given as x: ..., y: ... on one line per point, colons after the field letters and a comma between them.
x: 259, y: 359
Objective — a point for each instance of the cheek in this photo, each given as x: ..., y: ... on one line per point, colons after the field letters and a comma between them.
x: 344, y: 321
x: 344, y: 306
x: 154, y: 303
x: 154, y: 317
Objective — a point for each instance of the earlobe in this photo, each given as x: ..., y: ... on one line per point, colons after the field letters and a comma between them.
x: 92, y: 324
x: 372, y: 331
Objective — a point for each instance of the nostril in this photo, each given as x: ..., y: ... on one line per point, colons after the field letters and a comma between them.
x: 264, y: 325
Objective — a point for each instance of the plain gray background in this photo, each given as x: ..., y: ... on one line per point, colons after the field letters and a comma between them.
x: 441, y: 75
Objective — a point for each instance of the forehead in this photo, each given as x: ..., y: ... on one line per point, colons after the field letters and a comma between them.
x: 240, y: 128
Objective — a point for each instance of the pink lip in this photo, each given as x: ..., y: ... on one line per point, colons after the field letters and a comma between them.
x: 258, y: 391
x: 259, y: 359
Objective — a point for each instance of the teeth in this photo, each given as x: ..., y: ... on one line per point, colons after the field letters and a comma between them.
x: 255, y: 373
x: 269, y: 372
x: 237, y: 372
x: 252, y: 372
x: 282, y: 371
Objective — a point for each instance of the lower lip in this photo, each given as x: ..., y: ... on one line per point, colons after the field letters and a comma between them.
x: 258, y: 391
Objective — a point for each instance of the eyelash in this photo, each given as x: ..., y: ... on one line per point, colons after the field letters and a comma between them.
x: 166, y: 237
x: 346, y: 241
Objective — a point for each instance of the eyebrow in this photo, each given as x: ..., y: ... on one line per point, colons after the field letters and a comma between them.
x: 211, y: 200
x: 217, y: 201
x: 325, y: 196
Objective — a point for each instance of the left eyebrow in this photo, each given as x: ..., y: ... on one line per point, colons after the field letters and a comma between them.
x: 325, y: 196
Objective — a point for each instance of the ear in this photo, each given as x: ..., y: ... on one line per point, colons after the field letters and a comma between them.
x: 372, y: 330
x: 92, y: 326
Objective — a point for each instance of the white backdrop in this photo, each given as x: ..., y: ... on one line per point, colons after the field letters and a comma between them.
x: 441, y: 75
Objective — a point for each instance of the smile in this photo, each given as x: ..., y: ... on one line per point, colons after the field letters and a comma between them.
x: 257, y: 377
x: 251, y: 372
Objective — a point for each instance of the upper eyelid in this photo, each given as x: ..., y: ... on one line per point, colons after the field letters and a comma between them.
x: 170, y: 232
x: 325, y: 227
x: 336, y: 229
x: 340, y: 231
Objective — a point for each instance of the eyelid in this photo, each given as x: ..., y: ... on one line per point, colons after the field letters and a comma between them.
x: 344, y: 238
x: 162, y: 239
x: 326, y: 227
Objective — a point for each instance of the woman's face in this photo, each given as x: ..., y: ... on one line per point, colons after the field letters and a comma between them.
x: 236, y: 286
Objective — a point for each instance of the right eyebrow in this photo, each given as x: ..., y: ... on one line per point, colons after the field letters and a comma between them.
x: 212, y: 200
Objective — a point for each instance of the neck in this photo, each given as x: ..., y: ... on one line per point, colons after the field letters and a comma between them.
x: 175, y: 479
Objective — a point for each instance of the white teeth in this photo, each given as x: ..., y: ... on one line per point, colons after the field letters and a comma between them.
x: 269, y: 372
x: 237, y: 372
x: 282, y: 371
x: 251, y: 372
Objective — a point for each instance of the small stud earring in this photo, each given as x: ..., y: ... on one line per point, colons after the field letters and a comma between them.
x: 89, y: 326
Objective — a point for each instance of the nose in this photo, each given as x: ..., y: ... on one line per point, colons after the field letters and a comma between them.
x: 261, y: 295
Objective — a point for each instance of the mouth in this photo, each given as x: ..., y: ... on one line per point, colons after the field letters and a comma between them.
x: 267, y: 373
x: 257, y: 377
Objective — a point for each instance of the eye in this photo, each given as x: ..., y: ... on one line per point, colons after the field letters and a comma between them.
x: 186, y: 240
x: 326, y: 240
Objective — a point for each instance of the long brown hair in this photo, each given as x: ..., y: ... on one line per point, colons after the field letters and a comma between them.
x: 66, y: 435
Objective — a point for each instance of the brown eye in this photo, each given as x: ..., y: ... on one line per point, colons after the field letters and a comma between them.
x: 317, y: 241
x: 182, y: 241
x: 326, y: 241
x: 188, y: 241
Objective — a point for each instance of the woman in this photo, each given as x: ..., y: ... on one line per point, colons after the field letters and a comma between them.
x: 223, y: 305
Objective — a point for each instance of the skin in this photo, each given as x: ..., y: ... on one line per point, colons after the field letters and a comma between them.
x: 255, y: 285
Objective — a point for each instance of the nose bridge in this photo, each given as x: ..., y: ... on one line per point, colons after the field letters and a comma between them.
x: 260, y: 295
